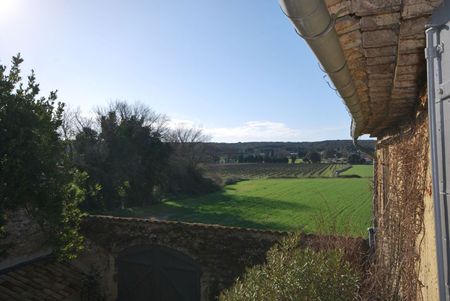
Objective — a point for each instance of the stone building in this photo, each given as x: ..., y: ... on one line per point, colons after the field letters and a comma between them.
x: 374, y: 53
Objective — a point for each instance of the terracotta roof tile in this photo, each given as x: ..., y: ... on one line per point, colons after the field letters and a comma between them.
x: 44, y: 279
x: 383, y: 41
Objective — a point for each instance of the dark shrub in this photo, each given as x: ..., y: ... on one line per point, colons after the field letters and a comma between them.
x: 292, y: 273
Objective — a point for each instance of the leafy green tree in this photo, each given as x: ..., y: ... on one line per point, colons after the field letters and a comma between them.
x: 33, y: 171
x: 330, y: 153
x: 125, y: 159
x: 87, y: 155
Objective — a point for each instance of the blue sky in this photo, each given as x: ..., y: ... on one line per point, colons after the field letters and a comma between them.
x: 233, y: 67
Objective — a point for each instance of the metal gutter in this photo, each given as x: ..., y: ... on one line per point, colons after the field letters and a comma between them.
x: 315, y: 25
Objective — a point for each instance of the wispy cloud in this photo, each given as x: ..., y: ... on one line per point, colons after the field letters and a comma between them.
x: 177, y: 123
x: 266, y: 131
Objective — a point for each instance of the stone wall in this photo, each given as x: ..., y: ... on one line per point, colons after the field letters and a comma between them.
x: 24, y: 240
x: 222, y: 252
x: 404, y: 212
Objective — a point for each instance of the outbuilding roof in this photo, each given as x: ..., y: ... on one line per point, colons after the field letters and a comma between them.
x: 43, y: 279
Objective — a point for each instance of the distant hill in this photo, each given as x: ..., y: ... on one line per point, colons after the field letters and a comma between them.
x: 342, y: 148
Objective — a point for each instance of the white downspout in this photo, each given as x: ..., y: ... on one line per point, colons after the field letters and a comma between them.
x: 439, y: 212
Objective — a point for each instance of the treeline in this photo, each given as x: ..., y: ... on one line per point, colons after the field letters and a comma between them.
x: 345, y: 146
x: 260, y: 159
x: 55, y: 163
x: 310, y: 157
x: 257, y: 152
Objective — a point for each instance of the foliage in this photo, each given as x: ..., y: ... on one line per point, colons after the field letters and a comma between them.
x: 125, y: 159
x: 355, y: 159
x: 188, y: 180
x: 341, y: 206
x: 292, y: 273
x: 70, y: 242
x: 330, y: 154
x: 133, y: 159
x: 313, y: 157
x: 34, y: 173
x: 253, y: 158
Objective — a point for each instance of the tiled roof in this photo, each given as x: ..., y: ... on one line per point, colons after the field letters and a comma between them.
x: 384, y: 41
x: 41, y: 280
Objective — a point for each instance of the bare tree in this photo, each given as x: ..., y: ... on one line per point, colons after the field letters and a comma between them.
x: 73, y: 122
x: 189, y: 145
x: 67, y: 129
x: 124, y: 111
x: 82, y: 121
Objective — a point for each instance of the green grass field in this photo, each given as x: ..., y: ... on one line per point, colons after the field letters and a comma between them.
x: 364, y: 171
x: 334, y: 205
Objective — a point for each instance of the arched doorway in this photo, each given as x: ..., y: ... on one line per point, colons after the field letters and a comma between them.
x: 157, y: 273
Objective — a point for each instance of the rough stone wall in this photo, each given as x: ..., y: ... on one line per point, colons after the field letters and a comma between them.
x: 24, y: 240
x: 222, y: 252
x: 404, y: 212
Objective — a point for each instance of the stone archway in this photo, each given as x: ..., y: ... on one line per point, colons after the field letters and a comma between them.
x: 157, y: 273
